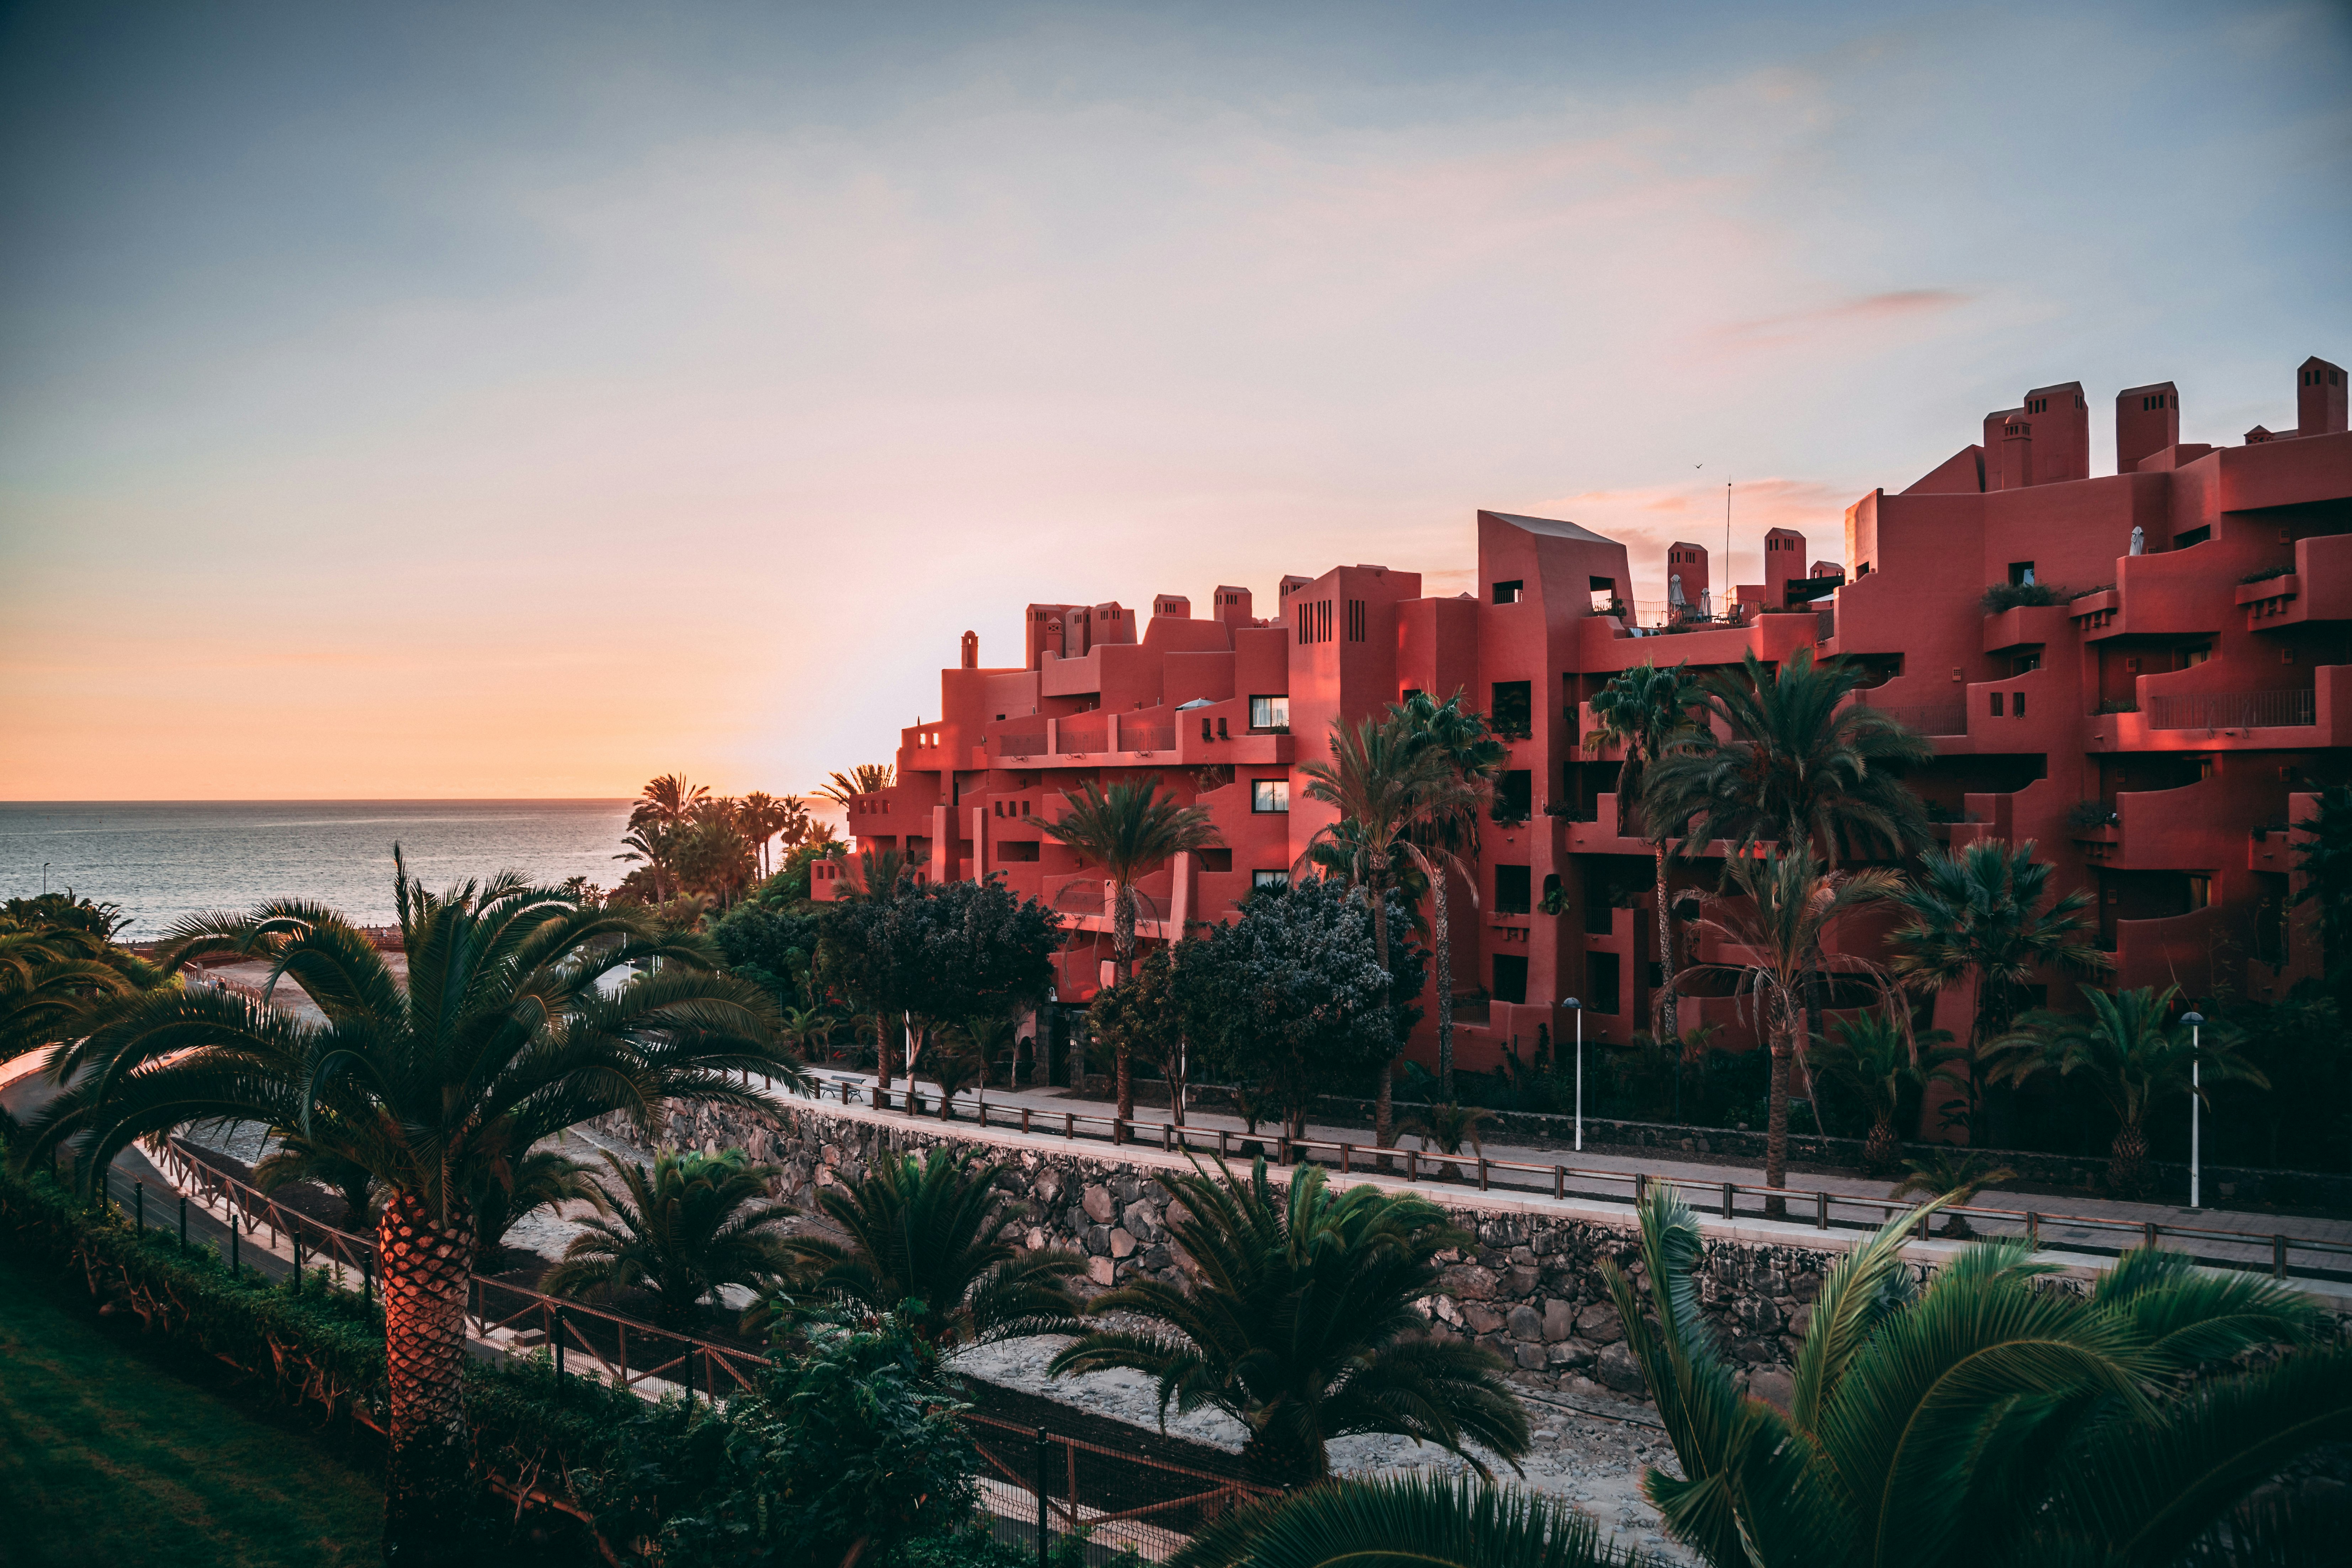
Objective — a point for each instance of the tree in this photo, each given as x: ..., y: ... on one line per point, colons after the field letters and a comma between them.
x: 679, y: 1229
x: 501, y: 1036
x: 868, y: 944
x: 865, y: 778
x: 1290, y: 998
x: 542, y: 1179
x: 1981, y: 1419
x: 1792, y: 765
x: 1785, y: 911
x: 1388, y: 785
x: 1876, y: 1057
x: 1131, y: 830
x: 52, y: 974
x: 1302, y: 1324
x: 2134, y: 1055
x: 1424, y: 1520
x: 1644, y: 710
x: 1977, y: 912
x: 1144, y: 1017
x: 1450, y: 830
x: 768, y: 940
x: 2325, y: 861
x: 928, y: 1245
x: 763, y: 818
x: 1953, y: 1176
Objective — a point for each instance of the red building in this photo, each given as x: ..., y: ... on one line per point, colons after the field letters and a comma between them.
x: 2154, y: 730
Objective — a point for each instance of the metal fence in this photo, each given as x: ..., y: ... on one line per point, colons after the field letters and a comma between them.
x: 2233, y: 711
x: 1059, y: 1485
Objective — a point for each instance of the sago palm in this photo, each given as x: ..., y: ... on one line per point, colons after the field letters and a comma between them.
x: 1301, y: 1324
x: 1421, y: 1520
x: 1387, y: 785
x: 2133, y: 1055
x: 925, y: 1239
x: 501, y: 1035
x: 1784, y: 912
x: 1977, y: 913
x: 1644, y: 710
x: 678, y: 1230
x: 1983, y: 1420
x: 1131, y: 830
x: 1471, y: 755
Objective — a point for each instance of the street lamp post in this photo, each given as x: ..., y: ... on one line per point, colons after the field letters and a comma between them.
x: 1577, y: 1008
x: 2196, y: 1021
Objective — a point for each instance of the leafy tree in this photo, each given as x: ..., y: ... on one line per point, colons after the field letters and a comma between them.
x: 791, y: 880
x: 1644, y: 710
x: 678, y: 1231
x: 1145, y: 1017
x: 1391, y: 788
x: 1289, y: 997
x: 499, y: 1036
x: 1784, y: 911
x: 1977, y: 913
x: 1302, y: 1325
x: 2133, y: 1055
x: 1130, y: 830
x: 1876, y: 1058
x: 767, y: 940
x: 928, y: 1246
x: 1427, y: 1521
x: 658, y: 823
x: 2298, y: 1044
x: 1981, y: 1419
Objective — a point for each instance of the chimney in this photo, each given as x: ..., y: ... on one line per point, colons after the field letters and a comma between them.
x: 1175, y: 606
x: 2319, y: 398
x: 2148, y: 420
x: 2062, y: 433
x: 2016, y: 455
x: 1053, y: 644
x: 971, y: 650
x: 1233, y: 605
x: 1686, y: 566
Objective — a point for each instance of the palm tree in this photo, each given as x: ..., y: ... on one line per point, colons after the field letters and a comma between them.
x: 1446, y: 1127
x: 1784, y: 911
x: 1953, y: 1176
x: 1792, y: 765
x: 2324, y: 861
x: 1470, y: 750
x: 1302, y: 1326
x: 762, y: 817
x: 1130, y: 830
x: 1877, y: 1057
x: 1386, y: 784
x: 668, y: 801
x: 2134, y: 1055
x: 499, y: 1038
x: 1981, y: 1419
x: 542, y: 1179
x: 1644, y: 710
x: 865, y: 778
x: 926, y: 1239
x: 1426, y: 1520
x: 1977, y: 912
x: 678, y: 1230
x: 50, y: 976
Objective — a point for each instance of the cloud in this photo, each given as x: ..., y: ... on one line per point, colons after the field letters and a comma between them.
x: 1871, y: 313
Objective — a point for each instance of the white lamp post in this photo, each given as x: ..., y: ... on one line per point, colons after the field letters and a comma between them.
x: 1577, y: 1008
x: 2196, y: 1021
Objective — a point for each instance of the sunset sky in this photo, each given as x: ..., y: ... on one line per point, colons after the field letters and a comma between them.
x: 520, y: 400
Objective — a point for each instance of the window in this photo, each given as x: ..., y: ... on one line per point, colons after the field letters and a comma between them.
x: 2020, y: 571
x: 2017, y: 704
x: 1355, y: 620
x: 1513, y: 711
x: 1514, y: 795
x: 1215, y: 859
x: 1270, y: 713
x: 1269, y: 878
x: 1600, y: 971
x: 1270, y: 794
x: 1511, y: 890
x: 1512, y: 592
x: 1995, y: 704
x: 2024, y: 662
x: 2192, y: 656
x: 1510, y: 979
x: 1016, y: 850
x: 1409, y: 693
x: 2194, y: 536
x: 1315, y: 621
x: 2201, y: 892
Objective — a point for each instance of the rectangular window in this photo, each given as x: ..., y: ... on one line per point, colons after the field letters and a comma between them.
x: 1513, y: 711
x: 1511, y: 890
x: 1215, y: 859
x: 1270, y: 713
x: 1514, y: 795
x: 2021, y: 572
x: 1510, y: 593
x: 1510, y: 978
x: 1995, y: 704
x: 1269, y: 878
x: 2194, y: 536
x: 1269, y: 794
x: 1600, y: 978
x: 1355, y: 620
x: 2201, y: 892
x: 2017, y: 704
x: 1016, y: 850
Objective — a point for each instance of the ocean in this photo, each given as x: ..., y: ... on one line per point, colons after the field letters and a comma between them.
x: 163, y: 859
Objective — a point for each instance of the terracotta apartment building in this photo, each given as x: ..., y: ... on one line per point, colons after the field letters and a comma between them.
x: 2154, y: 731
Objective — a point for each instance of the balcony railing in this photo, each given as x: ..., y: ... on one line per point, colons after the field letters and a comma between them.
x: 2233, y: 711
x: 1927, y: 719
x: 1072, y: 740
x: 1147, y: 738
x: 1030, y: 745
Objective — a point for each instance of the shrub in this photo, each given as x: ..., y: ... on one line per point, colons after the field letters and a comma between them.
x: 2002, y: 596
x: 2086, y: 815
x: 2267, y: 572
x: 2116, y: 705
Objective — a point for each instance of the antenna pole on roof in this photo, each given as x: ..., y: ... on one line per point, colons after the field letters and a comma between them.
x: 1726, y: 535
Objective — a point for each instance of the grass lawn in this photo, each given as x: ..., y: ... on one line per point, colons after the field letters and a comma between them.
x: 109, y: 1458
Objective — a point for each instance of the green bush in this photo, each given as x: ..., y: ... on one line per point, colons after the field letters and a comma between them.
x: 2002, y: 596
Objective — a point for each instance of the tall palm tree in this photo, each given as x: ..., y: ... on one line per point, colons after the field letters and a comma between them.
x: 1981, y: 1419
x: 1301, y: 1324
x: 679, y: 1229
x: 865, y: 778
x: 1976, y: 912
x: 500, y: 1036
x: 1131, y: 830
x: 928, y: 1239
x: 1386, y: 786
x: 1877, y: 1057
x: 667, y: 800
x: 1643, y: 710
x: 1426, y: 1520
x: 2135, y: 1057
x: 1474, y: 756
x: 1783, y: 911
x: 1792, y: 764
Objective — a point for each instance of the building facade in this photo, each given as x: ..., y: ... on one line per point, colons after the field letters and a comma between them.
x: 2154, y: 730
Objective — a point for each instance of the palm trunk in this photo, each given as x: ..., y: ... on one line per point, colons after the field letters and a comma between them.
x: 1662, y: 1025
x: 1122, y: 943
x: 1384, y: 1097
x: 1878, y: 1150
x: 1775, y: 1119
x: 881, y: 1061
x: 2127, y: 1162
x: 425, y: 1265
x: 1444, y: 936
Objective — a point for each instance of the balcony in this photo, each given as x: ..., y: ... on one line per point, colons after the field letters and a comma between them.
x: 2232, y: 709
x: 1927, y: 718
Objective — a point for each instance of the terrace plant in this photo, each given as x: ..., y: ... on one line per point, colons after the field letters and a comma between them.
x: 501, y: 1035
